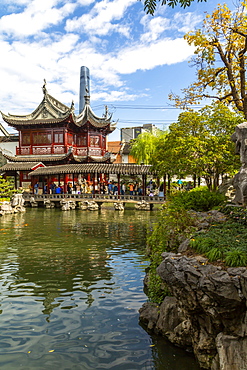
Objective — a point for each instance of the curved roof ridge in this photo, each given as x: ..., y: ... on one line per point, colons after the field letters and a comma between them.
x: 49, y: 107
x: 87, y: 115
x: 37, y: 158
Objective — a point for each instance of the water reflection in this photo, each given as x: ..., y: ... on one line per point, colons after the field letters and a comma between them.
x: 70, y: 290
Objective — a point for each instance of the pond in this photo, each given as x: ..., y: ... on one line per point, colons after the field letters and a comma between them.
x: 71, y: 285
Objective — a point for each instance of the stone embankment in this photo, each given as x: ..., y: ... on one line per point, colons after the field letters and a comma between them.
x: 14, y: 206
x: 206, y: 312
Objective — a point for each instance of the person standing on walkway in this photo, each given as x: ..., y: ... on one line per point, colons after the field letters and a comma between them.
x: 123, y: 188
x: 36, y: 188
x: 131, y: 187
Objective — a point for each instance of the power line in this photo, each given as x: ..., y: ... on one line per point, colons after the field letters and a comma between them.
x: 133, y: 106
x: 157, y: 121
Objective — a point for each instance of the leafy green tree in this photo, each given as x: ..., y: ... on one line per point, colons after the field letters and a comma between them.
x: 144, y: 146
x: 150, y: 5
x: 6, y: 188
x: 220, y: 59
x: 199, y: 144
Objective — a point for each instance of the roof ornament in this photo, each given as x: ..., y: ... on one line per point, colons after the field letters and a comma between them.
x: 72, y: 107
x: 105, y: 115
x: 87, y: 99
x: 44, y: 87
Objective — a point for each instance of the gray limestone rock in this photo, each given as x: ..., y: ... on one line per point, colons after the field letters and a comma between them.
x: 149, y: 314
x: 207, y: 311
x: 240, y: 180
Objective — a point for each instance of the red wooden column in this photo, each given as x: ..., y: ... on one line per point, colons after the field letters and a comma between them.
x: 65, y: 139
x: 21, y: 178
x: 48, y: 184
x: 66, y: 179
x: 88, y: 143
x: 94, y: 175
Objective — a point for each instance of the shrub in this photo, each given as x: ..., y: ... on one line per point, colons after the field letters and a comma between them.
x: 236, y: 257
x: 198, y: 199
x: 215, y: 254
x: 203, y: 244
x: 238, y: 214
x: 6, y: 188
x: 172, y: 222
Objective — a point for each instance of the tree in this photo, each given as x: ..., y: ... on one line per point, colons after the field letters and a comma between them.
x: 150, y: 5
x: 220, y: 59
x: 143, y: 147
x: 199, y: 144
x: 6, y: 188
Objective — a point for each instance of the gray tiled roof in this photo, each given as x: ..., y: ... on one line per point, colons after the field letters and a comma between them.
x: 23, y: 166
x: 36, y: 158
x: 117, y: 168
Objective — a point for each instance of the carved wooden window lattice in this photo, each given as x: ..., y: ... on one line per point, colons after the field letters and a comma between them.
x: 94, y: 141
x: 58, y: 138
x: 26, y: 139
x: 81, y: 140
x: 41, y: 138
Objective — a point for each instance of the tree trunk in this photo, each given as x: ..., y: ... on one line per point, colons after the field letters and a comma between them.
x: 169, y: 184
x: 194, y: 181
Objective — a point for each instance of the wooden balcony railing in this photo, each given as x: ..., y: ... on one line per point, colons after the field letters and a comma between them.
x: 59, y: 149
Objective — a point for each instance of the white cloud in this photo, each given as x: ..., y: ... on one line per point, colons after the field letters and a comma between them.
x: 85, y: 2
x: 115, y: 95
x: 16, y: 2
x: 154, y: 27
x: 186, y: 22
x: 144, y: 57
x: 38, y: 15
x: 99, y: 20
x: 25, y: 61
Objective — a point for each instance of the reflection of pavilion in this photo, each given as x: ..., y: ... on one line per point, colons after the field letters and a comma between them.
x: 55, y: 276
x: 63, y: 262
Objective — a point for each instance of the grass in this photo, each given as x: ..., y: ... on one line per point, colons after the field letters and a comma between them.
x: 225, y: 242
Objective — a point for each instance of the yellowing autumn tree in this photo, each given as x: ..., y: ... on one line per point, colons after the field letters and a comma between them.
x: 220, y: 59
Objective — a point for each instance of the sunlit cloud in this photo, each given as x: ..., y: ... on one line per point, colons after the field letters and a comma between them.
x: 115, y: 39
x: 37, y: 16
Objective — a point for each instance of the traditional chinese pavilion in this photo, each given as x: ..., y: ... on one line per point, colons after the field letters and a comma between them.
x: 56, y: 146
x: 53, y: 134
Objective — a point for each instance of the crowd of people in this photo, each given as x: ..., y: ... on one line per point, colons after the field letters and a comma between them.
x: 110, y: 187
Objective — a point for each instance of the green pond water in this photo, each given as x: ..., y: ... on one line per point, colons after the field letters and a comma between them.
x: 71, y: 285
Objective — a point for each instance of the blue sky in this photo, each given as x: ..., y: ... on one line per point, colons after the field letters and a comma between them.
x: 135, y: 60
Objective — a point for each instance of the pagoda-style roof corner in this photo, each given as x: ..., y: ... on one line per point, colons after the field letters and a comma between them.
x: 87, y: 116
x: 50, y: 110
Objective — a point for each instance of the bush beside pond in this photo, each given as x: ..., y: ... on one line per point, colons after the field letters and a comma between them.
x: 222, y: 242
